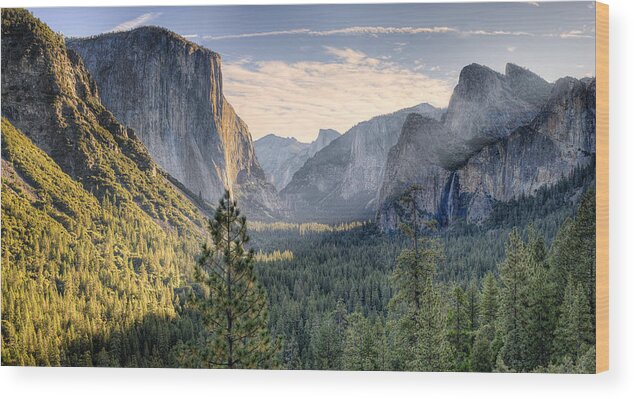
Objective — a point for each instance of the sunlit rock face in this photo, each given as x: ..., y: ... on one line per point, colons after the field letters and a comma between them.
x: 169, y: 90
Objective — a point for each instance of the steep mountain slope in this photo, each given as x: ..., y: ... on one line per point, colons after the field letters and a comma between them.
x: 94, y: 234
x: 341, y: 182
x: 281, y: 157
x: 169, y: 90
x: 487, y: 105
x: 48, y: 94
x: 502, y: 157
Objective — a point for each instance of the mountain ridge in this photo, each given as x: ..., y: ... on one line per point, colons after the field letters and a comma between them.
x: 281, y: 157
x: 342, y: 179
x: 502, y: 166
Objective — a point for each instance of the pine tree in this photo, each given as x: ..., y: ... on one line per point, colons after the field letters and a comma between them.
x: 235, y: 309
x: 459, y: 326
x: 573, y: 335
x: 473, y: 307
x: 540, y: 303
x: 541, y: 317
x: 514, y: 274
x: 327, y: 344
x: 422, y: 324
x: 574, y: 251
x: 489, y: 300
x: 364, y: 345
x: 483, y: 355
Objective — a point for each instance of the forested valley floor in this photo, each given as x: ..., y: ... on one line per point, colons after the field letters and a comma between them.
x: 100, y: 285
x: 510, y: 295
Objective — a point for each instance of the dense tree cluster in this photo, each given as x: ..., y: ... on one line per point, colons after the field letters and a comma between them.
x: 533, y: 314
x: 95, y: 279
x: 86, y: 280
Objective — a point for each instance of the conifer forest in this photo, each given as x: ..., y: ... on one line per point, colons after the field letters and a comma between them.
x: 142, y: 226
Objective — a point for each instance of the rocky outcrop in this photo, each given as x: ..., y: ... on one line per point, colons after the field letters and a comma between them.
x: 513, y: 156
x: 561, y: 138
x: 49, y: 95
x: 486, y: 106
x: 414, y: 161
x: 342, y: 181
x: 281, y: 157
x: 169, y: 90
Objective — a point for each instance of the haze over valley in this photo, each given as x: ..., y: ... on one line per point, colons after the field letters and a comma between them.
x: 314, y: 187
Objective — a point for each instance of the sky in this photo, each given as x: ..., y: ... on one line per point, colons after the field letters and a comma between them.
x: 291, y: 70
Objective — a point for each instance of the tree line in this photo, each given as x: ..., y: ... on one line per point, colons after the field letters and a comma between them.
x: 90, y: 280
x: 536, y: 314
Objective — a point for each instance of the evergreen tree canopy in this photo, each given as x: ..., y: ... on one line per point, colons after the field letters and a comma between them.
x: 235, y: 306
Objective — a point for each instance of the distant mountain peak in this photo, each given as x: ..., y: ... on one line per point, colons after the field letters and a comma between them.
x: 527, y: 85
x: 274, y: 138
x: 281, y: 157
x: 327, y: 133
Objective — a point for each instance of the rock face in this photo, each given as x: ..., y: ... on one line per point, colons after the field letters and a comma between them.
x: 502, y: 152
x: 49, y: 95
x: 414, y: 160
x: 281, y: 157
x: 341, y: 182
x: 486, y: 106
x: 169, y: 91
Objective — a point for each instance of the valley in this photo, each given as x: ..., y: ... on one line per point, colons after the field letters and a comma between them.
x: 131, y: 189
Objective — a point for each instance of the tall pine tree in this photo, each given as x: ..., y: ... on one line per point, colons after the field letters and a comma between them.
x: 235, y: 307
x: 514, y: 272
x: 422, y: 325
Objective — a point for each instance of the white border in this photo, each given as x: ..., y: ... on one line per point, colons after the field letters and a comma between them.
x: 618, y: 382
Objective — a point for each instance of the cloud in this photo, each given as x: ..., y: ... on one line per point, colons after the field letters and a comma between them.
x: 136, y: 22
x: 371, y: 31
x: 497, y: 33
x: 258, y: 34
x: 511, y: 49
x: 576, y: 34
x: 533, y: 3
x: 382, y: 30
x: 297, y: 99
x: 190, y: 36
x: 348, y: 55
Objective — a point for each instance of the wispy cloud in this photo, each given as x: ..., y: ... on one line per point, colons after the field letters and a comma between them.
x: 533, y: 3
x: 382, y: 30
x: 349, y: 88
x: 497, y: 33
x: 372, y: 31
x: 190, y: 36
x: 576, y: 34
x: 258, y: 34
x: 136, y: 22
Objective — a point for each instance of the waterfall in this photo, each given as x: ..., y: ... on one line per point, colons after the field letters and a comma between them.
x: 452, y: 197
x: 448, y: 208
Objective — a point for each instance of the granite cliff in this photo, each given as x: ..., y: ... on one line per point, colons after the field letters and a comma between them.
x: 169, y: 90
x: 342, y: 180
x: 525, y: 134
x: 48, y: 95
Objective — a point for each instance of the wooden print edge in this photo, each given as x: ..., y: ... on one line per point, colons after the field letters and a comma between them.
x: 602, y: 187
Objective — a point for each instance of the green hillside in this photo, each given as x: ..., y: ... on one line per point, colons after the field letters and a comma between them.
x: 95, y: 238
x: 81, y: 276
